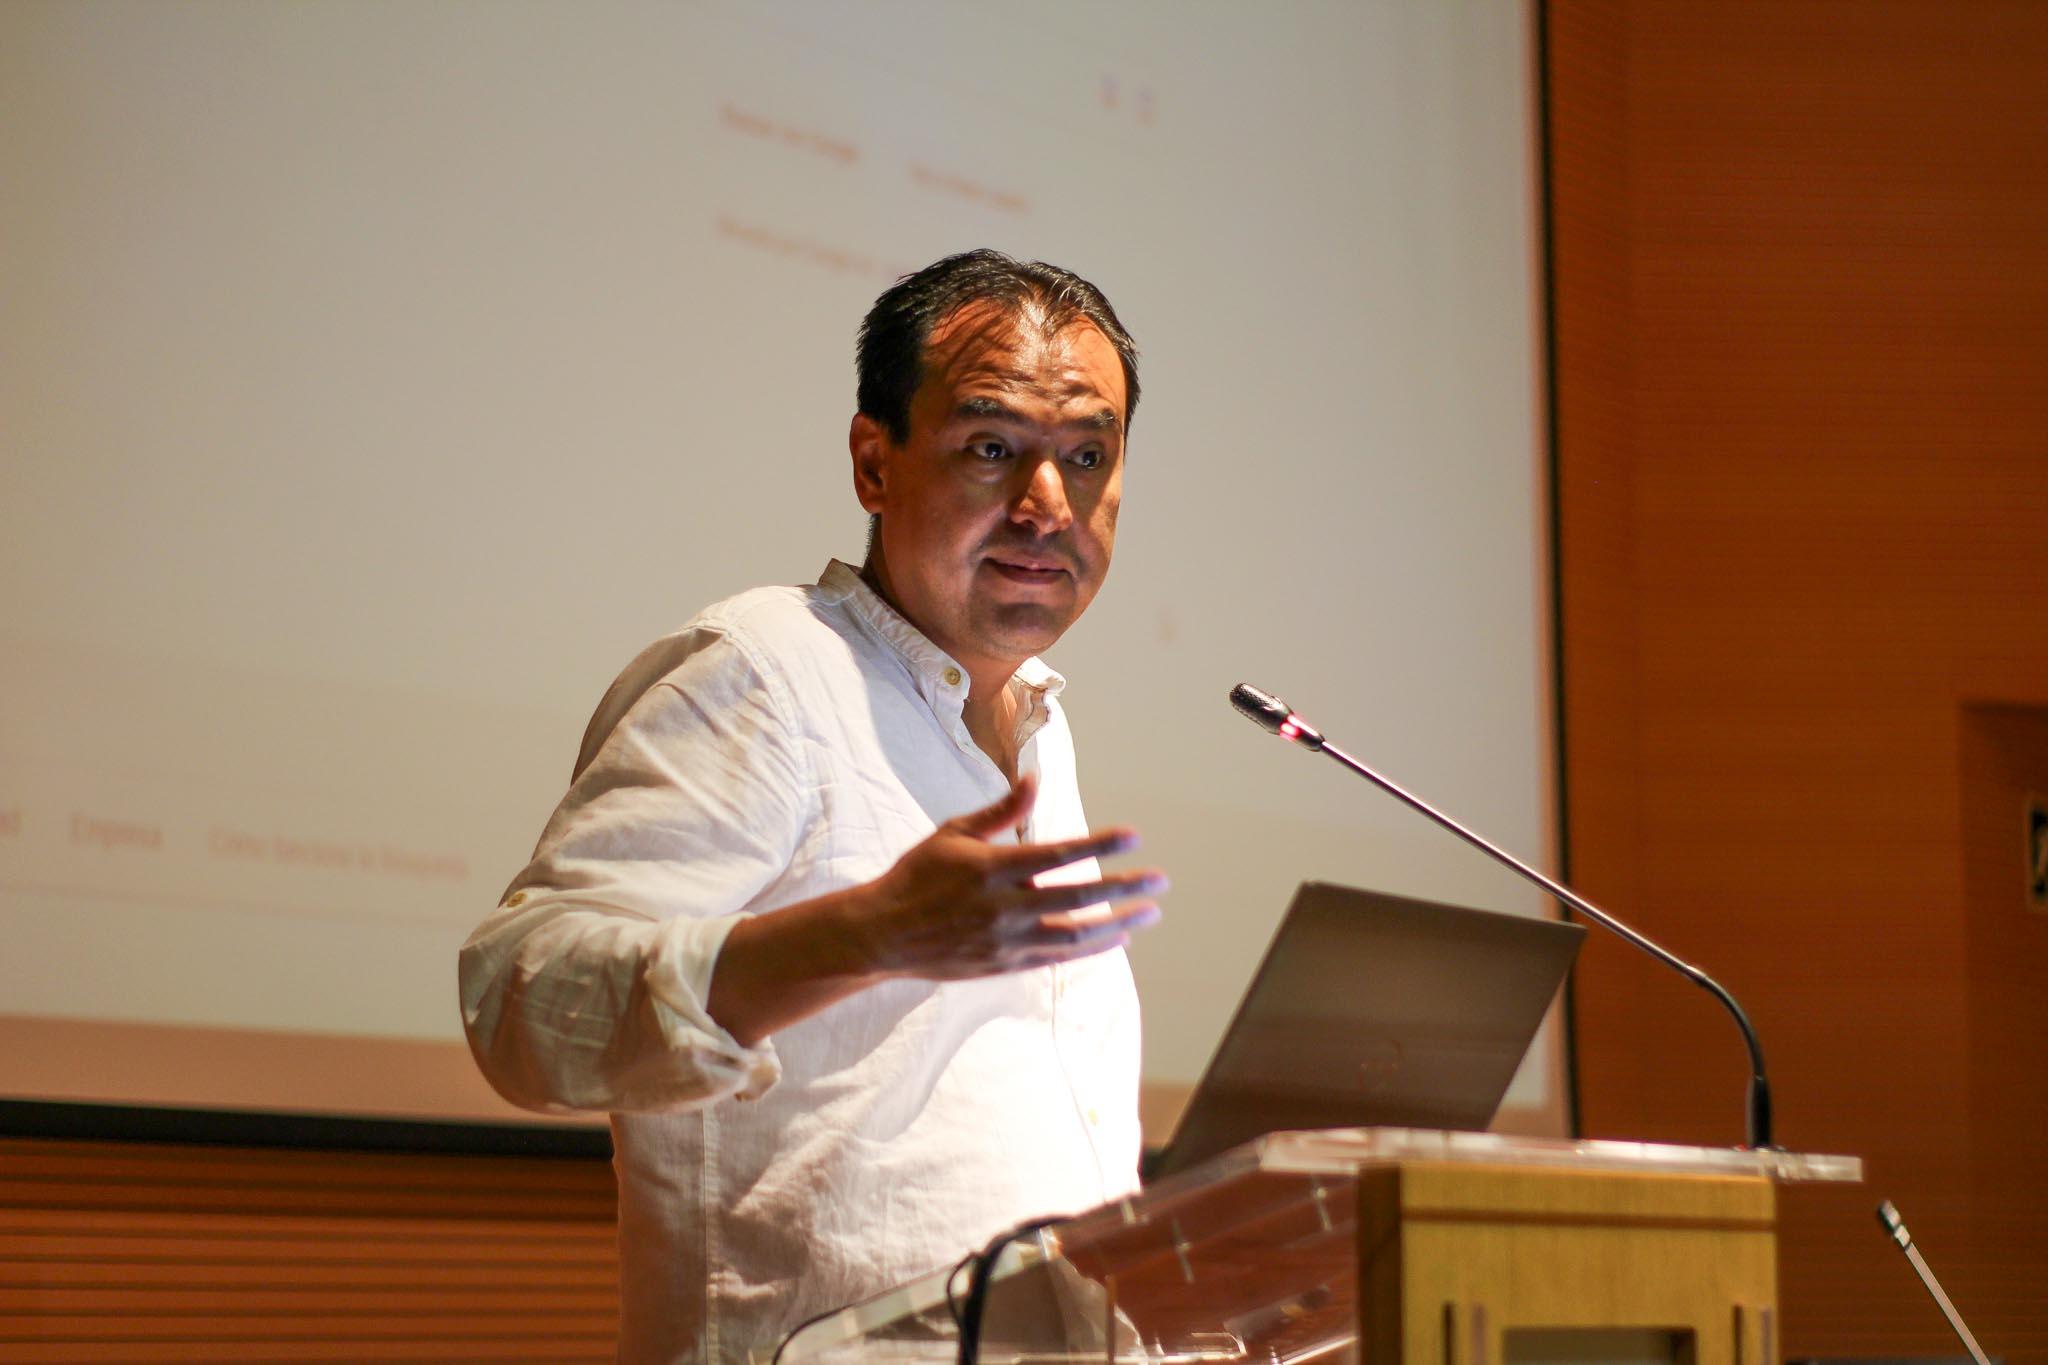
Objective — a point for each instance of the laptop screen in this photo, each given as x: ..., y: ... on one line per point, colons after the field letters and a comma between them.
x: 1376, y: 1010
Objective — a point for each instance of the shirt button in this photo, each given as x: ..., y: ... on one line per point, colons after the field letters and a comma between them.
x: 952, y: 676
x: 1094, y: 1117
x: 512, y: 901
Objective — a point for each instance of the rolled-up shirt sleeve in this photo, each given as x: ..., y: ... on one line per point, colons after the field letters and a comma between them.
x: 586, y: 988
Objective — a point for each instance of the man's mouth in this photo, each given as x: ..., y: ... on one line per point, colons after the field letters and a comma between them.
x: 1026, y: 569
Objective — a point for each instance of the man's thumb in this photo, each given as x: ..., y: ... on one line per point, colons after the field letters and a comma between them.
x: 1008, y: 813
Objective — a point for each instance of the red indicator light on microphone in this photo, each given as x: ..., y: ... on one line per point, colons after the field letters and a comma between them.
x: 1289, y: 730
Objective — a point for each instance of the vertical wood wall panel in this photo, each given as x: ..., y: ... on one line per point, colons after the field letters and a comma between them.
x: 1801, y: 298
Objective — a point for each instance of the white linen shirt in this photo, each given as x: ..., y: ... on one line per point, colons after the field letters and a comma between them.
x: 786, y: 743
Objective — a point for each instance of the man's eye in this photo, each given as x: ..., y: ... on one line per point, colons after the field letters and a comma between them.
x: 1088, y: 459
x: 989, y: 450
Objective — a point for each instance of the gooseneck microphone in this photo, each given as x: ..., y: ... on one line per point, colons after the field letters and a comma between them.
x: 1277, y: 717
x: 1888, y: 1218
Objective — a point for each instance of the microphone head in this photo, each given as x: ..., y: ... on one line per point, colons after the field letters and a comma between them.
x: 1274, y: 716
x: 1265, y: 710
x: 1888, y: 1218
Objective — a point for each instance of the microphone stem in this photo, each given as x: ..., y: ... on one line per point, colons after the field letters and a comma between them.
x: 1759, y: 1088
x: 1941, y: 1299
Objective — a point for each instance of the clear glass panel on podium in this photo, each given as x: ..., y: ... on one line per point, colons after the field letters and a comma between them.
x: 1253, y: 1256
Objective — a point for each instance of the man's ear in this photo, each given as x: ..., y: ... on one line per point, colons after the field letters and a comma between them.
x: 870, y: 447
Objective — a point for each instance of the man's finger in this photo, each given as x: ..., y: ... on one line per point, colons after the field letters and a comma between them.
x: 1028, y: 860
x: 1008, y: 813
x: 1074, y: 895
x: 1066, y: 932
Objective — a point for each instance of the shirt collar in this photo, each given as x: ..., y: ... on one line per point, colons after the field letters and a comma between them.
x: 932, y: 666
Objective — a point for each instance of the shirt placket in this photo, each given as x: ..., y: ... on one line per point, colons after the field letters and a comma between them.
x: 945, y: 691
x: 1070, y: 1028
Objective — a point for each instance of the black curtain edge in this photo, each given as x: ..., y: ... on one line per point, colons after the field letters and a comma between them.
x: 82, y: 1122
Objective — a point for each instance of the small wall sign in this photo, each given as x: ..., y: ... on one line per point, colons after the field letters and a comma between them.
x: 2037, y: 853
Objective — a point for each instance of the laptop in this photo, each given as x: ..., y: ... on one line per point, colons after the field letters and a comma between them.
x: 1371, y: 1010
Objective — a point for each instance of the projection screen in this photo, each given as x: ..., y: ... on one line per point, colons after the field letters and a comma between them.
x: 379, y: 379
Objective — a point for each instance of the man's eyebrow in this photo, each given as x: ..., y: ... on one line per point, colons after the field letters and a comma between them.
x: 994, y: 409
x: 991, y: 408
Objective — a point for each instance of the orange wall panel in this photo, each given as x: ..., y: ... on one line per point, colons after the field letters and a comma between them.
x: 1800, y: 299
x: 139, y: 1252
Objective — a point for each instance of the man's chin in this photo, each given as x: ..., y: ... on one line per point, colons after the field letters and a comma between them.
x: 1024, y: 628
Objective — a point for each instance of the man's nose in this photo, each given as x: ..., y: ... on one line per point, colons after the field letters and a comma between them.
x: 1042, y: 502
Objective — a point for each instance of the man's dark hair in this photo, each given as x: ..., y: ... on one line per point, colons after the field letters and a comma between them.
x: 896, y: 329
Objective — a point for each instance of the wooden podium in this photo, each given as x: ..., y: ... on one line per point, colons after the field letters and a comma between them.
x: 1381, y: 1245
x: 1467, y: 1264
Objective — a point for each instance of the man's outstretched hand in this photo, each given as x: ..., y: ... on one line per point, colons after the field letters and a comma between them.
x: 956, y: 906
x: 959, y: 905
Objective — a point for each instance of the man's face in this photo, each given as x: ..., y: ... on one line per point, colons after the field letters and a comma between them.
x: 998, y: 511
